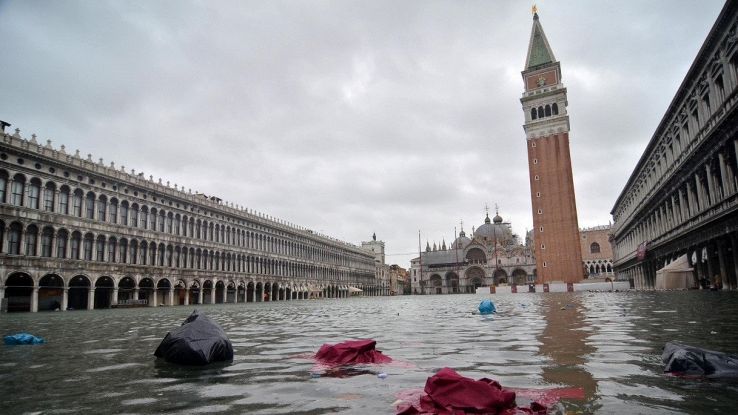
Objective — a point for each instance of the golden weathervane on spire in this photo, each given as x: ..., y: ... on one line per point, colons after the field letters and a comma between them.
x: 534, y: 9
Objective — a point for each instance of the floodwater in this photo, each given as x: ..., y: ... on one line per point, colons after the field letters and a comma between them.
x: 608, y: 344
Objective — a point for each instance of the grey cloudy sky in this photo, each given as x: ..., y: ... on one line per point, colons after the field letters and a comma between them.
x: 347, y: 117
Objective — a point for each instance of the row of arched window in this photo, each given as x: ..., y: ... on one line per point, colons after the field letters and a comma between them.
x: 63, y: 200
x: 65, y: 244
x: 600, y: 268
x: 544, y: 111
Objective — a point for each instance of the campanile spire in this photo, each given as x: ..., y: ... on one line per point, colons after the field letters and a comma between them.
x: 544, y: 100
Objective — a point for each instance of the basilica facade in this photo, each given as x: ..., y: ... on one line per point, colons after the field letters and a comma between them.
x: 492, y: 256
x: 78, y: 234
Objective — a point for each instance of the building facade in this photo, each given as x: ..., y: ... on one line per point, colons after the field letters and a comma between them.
x: 382, y: 270
x: 597, y: 251
x: 492, y: 256
x: 681, y: 199
x: 75, y: 233
x: 546, y: 127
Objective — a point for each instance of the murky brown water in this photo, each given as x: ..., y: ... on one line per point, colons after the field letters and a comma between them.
x: 607, y: 343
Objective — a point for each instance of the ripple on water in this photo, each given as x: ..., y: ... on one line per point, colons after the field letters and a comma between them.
x: 609, y: 344
x: 114, y: 367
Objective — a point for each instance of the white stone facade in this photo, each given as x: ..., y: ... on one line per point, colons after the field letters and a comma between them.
x: 75, y: 233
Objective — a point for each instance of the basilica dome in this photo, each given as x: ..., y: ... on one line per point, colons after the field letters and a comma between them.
x: 497, y: 231
x: 461, y: 242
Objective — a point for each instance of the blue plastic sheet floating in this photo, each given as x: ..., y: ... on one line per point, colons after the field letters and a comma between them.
x: 487, y: 307
x: 23, y: 338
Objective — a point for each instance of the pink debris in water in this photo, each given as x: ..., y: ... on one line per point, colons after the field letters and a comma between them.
x: 448, y: 393
x: 350, y: 352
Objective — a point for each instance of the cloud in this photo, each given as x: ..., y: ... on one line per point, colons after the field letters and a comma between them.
x: 347, y: 117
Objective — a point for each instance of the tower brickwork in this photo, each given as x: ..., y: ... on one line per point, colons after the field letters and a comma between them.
x: 556, y: 229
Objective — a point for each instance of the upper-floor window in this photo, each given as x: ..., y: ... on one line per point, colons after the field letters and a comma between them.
x: 90, y: 206
x: 16, y: 195
x: 64, y: 200
x: 594, y: 248
x: 49, y: 192
x: 3, y: 185
x: 34, y: 193
x: 77, y: 204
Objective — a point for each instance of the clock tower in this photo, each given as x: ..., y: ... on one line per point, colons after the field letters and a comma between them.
x: 556, y: 229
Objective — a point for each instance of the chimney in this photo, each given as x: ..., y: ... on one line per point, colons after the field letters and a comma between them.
x: 3, y: 124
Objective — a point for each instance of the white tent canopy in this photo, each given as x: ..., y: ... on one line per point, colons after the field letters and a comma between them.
x: 677, y: 275
x: 355, y: 290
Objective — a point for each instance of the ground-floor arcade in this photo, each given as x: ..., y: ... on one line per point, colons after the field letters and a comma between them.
x: 50, y: 291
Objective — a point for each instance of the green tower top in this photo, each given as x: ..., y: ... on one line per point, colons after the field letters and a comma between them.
x: 539, y: 52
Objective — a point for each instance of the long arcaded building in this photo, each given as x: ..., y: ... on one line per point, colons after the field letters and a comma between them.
x: 77, y: 234
x: 681, y: 201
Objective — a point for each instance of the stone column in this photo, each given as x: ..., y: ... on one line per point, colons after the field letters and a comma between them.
x: 710, y: 271
x: 187, y: 296
x: 212, y: 295
x: 734, y: 246
x: 91, y: 298
x: 713, y: 197
x: 114, y: 298
x: 199, y: 296
x: 225, y: 293
x: 235, y: 296
x: 171, y: 297
x: 722, y: 265
x: 682, y: 210
x: 65, y: 299
x: 699, y: 197
x: 726, y: 175
x: 34, y: 300
x: 154, y: 298
x: 135, y: 293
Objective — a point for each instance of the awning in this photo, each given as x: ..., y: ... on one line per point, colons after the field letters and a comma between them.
x: 355, y: 290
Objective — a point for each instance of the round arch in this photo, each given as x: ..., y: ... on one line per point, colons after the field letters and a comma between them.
x: 50, y: 293
x: 18, y: 290
x: 79, y: 288
x: 104, y: 287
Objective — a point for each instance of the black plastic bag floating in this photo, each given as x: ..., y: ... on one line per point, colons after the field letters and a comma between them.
x: 681, y: 359
x: 198, y: 341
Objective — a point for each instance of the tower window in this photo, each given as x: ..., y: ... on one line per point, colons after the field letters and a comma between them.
x: 540, y: 112
x: 555, y: 108
x: 533, y: 114
x: 538, y: 194
x: 544, y: 264
x: 543, y: 246
x: 541, y: 228
x: 536, y: 177
x: 540, y: 212
x: 535, y: 161
x: 533, y: 144
x: 548, y: 111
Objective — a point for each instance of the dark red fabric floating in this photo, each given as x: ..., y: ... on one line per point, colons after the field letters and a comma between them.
x: 352, y: 351
x: 447, y: 392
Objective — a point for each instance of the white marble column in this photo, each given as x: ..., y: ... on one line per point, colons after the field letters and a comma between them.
x: 114, y: 298
x: 171, y: 297
x: 187, y: 296
x: 65, y: 299
x: 91, y: 299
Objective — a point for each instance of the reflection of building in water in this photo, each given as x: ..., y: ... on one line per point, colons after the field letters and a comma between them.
x: 492, y: 256
x: 565, y: 343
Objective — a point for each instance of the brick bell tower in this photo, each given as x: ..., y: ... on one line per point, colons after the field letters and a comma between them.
x: 556, y: 229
